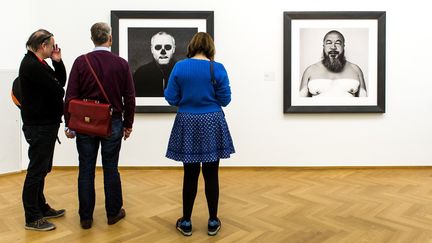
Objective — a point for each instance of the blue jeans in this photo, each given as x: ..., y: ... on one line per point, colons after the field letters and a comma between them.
x: 88, y: 147
x: 41, y: 140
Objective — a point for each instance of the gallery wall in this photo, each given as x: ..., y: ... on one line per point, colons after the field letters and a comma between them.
x: 10, y: 142
x: 249, y: 42
x: 12, y: 17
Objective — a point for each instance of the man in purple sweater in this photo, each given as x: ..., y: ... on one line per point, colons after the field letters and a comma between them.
x: 115, y: 75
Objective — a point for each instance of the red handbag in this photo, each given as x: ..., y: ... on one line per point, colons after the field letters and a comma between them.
x: 90, y: 117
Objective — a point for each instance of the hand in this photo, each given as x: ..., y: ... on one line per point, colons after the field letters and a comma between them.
x: 69, y: 133
x: 126, y: 132
x: 56, y: 53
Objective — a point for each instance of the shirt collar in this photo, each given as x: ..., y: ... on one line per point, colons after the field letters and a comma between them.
x: 101, y: 48
x: 40, y: 60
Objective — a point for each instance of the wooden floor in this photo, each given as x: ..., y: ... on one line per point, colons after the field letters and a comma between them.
x: 256, y: 205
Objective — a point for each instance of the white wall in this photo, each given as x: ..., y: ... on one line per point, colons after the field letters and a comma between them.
x: 14, y: 33
x: 10, y: 129
x: 249, y: 41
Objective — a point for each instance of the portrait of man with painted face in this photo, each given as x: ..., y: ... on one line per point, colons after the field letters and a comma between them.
x: 153, y: 42
x: 152, y: 53
x: 333, y: 76
x: 151, y: 78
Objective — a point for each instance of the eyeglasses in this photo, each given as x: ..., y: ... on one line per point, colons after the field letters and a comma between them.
x: 46, y: 38
x: 166, y: 47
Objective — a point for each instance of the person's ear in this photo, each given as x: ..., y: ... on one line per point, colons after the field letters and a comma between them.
x: 42, y: 45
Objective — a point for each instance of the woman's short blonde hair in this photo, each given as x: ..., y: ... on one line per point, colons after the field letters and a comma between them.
x: 201, y: 43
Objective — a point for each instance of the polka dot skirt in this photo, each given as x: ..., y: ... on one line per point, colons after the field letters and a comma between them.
x: 200, y: 138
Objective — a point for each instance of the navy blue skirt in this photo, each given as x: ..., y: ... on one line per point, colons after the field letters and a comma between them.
x: 200, y: 138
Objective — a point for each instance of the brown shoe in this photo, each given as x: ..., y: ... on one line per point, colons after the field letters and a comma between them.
x: 115, y: 219
x: 86, y: 223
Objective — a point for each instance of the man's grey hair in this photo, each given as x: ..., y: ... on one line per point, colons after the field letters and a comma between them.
x: 100, y: 33
x: 37, y: 38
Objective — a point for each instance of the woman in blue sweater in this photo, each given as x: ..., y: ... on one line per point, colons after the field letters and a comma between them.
x: 199, y: 87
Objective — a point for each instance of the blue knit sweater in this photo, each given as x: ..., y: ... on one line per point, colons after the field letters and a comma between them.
x: 191, y: 89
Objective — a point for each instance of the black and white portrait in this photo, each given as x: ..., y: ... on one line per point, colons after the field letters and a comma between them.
x: 339, y: 65
x: 152, y: 42
x: 152, y: 55
x: 334, y: 61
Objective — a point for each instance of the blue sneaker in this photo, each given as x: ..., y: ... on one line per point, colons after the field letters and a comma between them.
x: 214, y: 226
x: 184, y: 226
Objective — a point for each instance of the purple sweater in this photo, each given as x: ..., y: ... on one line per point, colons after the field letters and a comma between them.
x: 114, y: 74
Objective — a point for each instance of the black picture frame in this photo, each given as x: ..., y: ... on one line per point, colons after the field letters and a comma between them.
x: 298, y: 25
x: 139, y: 24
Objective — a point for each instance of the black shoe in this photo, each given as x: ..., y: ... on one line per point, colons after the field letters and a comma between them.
x: 86, y: 223
x: 214, y: 226
x: 40, y: 225
x: 52, y: 213
x: 115, y: 219
x: 184, y: 226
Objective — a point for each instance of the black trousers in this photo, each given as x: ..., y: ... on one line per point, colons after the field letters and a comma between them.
x: 190, y: 185
x: 41, y: 150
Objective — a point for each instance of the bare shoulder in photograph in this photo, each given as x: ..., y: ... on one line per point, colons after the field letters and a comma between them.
x: 333, y: 76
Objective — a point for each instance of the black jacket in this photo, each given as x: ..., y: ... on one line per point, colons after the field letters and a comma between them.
x: 41, y: 90
x: 151, y: 79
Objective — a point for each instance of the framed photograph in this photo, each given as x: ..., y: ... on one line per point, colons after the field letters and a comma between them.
x: 152, y: 42
x: 334, y: 62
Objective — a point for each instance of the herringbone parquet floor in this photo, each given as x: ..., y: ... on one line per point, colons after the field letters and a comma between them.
x: 256, y: 205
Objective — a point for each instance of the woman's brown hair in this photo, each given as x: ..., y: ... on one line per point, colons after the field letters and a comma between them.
x: 201, y: 43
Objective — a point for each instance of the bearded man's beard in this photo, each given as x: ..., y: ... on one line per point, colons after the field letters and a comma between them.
x: 334, y: 64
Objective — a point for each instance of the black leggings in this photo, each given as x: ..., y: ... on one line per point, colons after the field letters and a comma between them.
x: 190, y: 186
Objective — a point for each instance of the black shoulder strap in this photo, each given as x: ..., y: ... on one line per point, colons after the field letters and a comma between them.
x: 212, y: 72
